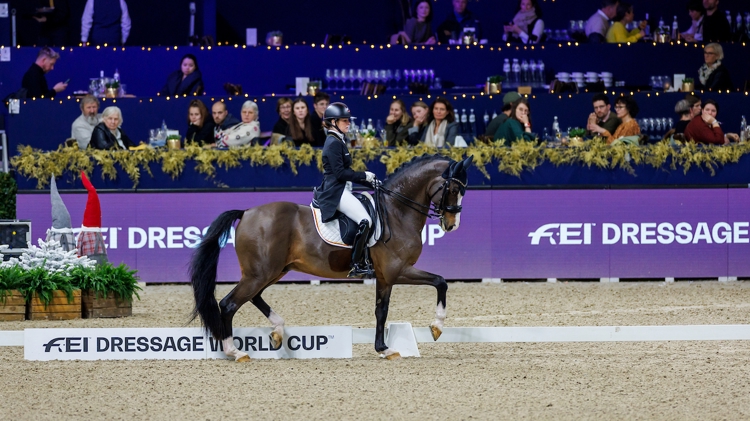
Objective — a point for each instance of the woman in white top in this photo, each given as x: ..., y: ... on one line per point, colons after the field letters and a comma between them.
x: 245, y: 132
x: 527, y: 26
x: 696, y: 12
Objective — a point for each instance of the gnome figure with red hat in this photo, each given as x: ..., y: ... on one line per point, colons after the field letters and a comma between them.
x: 90, y: 240
x: 62, y: 229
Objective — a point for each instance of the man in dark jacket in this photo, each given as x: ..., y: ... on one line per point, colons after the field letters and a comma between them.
x: 715, y: 25
x: 454, y: 25
x: 34, y: 81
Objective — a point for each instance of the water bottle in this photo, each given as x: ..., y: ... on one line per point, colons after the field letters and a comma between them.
x: 472, y: 123
x: 533, y: 69
x: 506, y: 69
x: 556, y: 129
x: 661, y: 24
x: 464, y: 121
x: 516, y: 72
x: 647, y: 29
x: 675, y: 28
x: 369, y: 124
x: 540, y: 69
x: 117, y: 75
x: 743, y: 129
x: 738, y: 27
x: 525, y: 72
x: 486, y: 119
x: 729, y: 19
x: 546, y: 135
x: 494, y: 114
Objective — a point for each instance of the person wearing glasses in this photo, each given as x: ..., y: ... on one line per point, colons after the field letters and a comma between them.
x: 713, y: 74
x: 518, y: 125
x: 626, y: 109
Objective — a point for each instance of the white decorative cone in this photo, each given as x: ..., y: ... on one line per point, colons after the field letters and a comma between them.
x: 402, y: 340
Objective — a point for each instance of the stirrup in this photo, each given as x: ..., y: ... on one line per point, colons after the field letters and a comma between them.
x: 361, y: 271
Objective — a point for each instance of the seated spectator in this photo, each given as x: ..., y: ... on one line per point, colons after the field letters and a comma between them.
x: 281, y: 128
x: 186, y: 81
x: 452, y: 28
x: 321, y: 101
x: 442, y: 127
x: 245, y: 133
x: 108, y: 134
x: 598, y: 24
x: 527, y: 26
x: 696, y: 12
x: 518, y: 125
x: 626, y: 109
x: 397, y: 123
x: 696, y: 107
x: 105, y: 22
x: 716, y: 28
x: 200, y: 125
x: 84, y: 125
x: 34, y: 81
x: 300, y: 128
x: 713, y: 75
x: 705, y: 128
x: 222, y: 120
x: 618, y: 33
x: 418, y: 29
x: 419, y: 111
x: 602, y: 120
x: 508, y: 100
x: 684, y: 109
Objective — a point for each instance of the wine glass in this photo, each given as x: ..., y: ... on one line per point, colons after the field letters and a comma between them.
x: 335, y: 78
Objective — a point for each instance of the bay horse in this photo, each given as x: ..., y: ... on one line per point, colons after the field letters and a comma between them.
x: 275, y: 238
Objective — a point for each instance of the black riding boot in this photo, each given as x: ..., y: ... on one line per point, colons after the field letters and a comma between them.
x: 361, y: 267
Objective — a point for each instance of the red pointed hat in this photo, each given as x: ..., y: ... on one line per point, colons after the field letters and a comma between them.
x: 92, y: 216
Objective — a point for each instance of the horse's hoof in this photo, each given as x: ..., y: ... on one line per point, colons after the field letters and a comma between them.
x: 436, y: 332
x: 243, y: 359
x: 275, y: 340
x: 390, y: 355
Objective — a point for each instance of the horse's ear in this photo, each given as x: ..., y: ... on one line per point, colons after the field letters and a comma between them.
x: 458, y: 169
x: 450, y: 170
x: 467, y: 162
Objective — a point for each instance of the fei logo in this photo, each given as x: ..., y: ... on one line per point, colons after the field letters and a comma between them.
x: 558, y: 233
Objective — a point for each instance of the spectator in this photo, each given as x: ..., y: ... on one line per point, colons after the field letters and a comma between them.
x: 518, y: 125
x: 34, y: 81
x: 397, y: 123
x: 602, y: 120
x: 527, y: 26
x: 108, y: 134
x: 713, y: 75
x: 419, y: 111
x: 618, y: 32
x: 284, y: 109
x: 696, y: 12
x: 41, y: 24
x: 186, y: 81
x: 300, y: 128
x: 715, y: 25
x: 320, y: 103
x: 442, y: 127
x: 705, y: 129
x: 105, y: 22
x: 453, y: 26
x: 684, y: 109
x: 200, y: 126
x: 418, y: 29
x: 626, y: 109
x: 598, y: 24
x: 696, y: 107
x: 83, y: 126
x: 245, y: 133
x: 498, y: 121
x: 222, y: 120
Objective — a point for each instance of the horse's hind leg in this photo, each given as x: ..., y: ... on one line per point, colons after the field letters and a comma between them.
x: 242, y: 293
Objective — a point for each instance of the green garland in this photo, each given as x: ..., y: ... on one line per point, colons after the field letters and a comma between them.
x: 513, y: 160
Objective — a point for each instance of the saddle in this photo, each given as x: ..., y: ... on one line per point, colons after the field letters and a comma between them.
x: 341, y: 230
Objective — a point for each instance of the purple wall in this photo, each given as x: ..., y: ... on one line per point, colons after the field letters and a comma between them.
x: 503, y: 234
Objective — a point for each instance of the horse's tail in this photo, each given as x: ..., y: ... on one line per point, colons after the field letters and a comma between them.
x: 203, y: 273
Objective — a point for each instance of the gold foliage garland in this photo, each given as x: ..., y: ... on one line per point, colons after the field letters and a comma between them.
x: 513, y: 160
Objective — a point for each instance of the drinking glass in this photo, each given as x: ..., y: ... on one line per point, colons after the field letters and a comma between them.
x: 334, y: 79
x: 368, y: 75
x: 153, y: 135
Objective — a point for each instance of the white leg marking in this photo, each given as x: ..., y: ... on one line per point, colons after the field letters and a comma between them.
x: 277, y: 322
x: 440, y: 314
x: 230, y: 350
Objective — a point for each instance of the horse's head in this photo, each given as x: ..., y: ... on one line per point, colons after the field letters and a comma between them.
x: 452, y: 192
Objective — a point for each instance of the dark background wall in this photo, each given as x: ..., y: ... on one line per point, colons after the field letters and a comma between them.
x: 165, y: 22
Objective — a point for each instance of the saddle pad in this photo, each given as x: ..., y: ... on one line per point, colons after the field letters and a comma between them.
x: 331, y: 233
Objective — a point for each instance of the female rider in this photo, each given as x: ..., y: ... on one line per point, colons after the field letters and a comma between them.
x: 335, y: 193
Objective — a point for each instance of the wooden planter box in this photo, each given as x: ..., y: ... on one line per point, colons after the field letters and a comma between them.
x: 14, y: 307
x: 109, y: 306
x: 58, y: 309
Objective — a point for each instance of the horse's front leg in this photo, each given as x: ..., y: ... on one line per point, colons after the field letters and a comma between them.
x: 382, y: 299
x: 414, y: 276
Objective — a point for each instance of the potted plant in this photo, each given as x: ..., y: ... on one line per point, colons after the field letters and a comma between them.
x: 113, y: 89
x: 274, y: 38
x: 575, y: 136
x: 106, y: 290
x: 173, y: 141
x: 494, y: 85
x: 12, y: 301
x: 688, y: 84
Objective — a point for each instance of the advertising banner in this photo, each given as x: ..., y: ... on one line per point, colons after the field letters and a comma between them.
x: 503, y: 233
x: 182, y: 343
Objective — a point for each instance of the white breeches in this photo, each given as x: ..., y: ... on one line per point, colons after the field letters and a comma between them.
x: 351, y: 207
